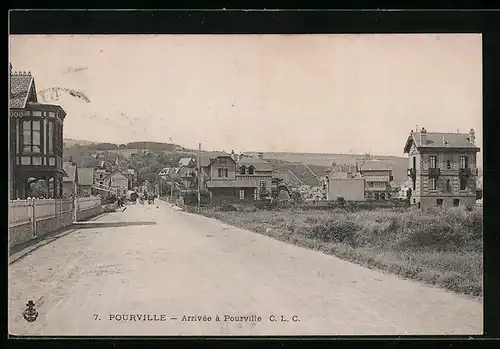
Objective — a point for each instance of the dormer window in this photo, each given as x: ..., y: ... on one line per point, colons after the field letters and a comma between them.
x: 242, y: 170
x: 250, y: 170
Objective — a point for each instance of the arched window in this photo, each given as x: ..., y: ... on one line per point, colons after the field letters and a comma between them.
x: 242, y: 170
x: 448, y: 164
x: 250, y: 170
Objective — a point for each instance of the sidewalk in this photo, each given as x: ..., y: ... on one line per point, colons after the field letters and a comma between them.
x: 19, y: 251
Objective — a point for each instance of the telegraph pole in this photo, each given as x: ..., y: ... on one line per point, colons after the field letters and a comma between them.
x: 199, y: 176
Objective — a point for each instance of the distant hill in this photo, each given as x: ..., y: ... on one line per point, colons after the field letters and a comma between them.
x: 68, y: 142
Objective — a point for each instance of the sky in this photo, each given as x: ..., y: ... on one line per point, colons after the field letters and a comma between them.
x: 299, y: 93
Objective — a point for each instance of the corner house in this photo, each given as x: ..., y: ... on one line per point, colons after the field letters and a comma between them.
x: 36, y: 139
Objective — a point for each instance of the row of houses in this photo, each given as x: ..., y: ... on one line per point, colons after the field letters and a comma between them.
x: 226, y: 176
x: 87, y: 181
x: 442, y: 171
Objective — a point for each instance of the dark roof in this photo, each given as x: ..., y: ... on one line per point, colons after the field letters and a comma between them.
x: 206, y: 159
x: 376, y: 165
x: 440, y: 140
x: 19, y: 90
x: 86, y: 176
x: 113, y: 172
x: 70, y: 171
x: 257, y: 163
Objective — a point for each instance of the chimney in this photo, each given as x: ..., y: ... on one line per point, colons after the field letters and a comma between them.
x: 261, y: 155
x: 423, y: 136
x: 472, y: 136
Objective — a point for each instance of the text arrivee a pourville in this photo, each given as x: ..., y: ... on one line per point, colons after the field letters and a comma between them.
x: 197, y: 318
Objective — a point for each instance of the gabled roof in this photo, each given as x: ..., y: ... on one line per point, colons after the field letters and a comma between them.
x: 114, y: 172
x: 70, y: 170
x: 185, y: 161
x: 22, y: 86
x: 86, y: 176
x: 257, y: 163
x: 440, y: 140
x: 376, y: 165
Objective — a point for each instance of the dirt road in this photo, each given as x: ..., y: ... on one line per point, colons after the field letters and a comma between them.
x: 159, y: 265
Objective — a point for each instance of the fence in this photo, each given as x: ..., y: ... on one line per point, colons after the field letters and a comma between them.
x: 29, y: 219
x: 365, y: 205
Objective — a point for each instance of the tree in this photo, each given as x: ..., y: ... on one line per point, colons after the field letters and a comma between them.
x: 297, y: 196
x: 283, y: 195
x: 38, y: 189
x: 341, y: 201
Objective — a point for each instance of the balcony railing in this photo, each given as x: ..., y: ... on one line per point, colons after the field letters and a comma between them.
x: 464, y: 172
x: 434, y: 172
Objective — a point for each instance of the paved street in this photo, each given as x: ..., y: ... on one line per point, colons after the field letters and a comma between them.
x: 156, y: 261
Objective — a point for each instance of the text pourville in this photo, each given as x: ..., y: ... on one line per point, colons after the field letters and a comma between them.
x: 197, y: 318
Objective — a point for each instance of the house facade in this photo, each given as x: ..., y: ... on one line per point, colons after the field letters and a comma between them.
x: 100, y: 174
x: 244, y: 178
x: 345, y: 185
x: 442, y: 168
x: 85, y: 181
x: 70, y: 181
x: 117, y: 182
x: 132, y: 178
x: 377, y: 177
x: 36, y: 139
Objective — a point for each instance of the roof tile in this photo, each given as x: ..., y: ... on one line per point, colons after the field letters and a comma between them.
x: 19, y: 89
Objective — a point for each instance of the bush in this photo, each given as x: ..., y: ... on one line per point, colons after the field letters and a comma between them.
x: 225, y: 207
x: 111, y: 199
x: 341, y: 201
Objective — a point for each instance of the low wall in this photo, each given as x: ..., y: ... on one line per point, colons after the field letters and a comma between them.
x: 330, y: 204
x: 31, y: 219
x: 20, y: 233
x: 89, y: 213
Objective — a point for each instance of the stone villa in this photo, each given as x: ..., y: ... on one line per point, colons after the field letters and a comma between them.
x: 442, y: 168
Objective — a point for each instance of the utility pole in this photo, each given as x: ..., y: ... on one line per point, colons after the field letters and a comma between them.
x: 159, y: 185
x: 199, y: 176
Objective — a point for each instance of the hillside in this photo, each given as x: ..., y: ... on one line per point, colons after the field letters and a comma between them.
x: 68, y: 142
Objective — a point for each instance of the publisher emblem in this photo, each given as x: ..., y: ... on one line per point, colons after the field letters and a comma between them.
x: 30, y: 314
